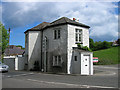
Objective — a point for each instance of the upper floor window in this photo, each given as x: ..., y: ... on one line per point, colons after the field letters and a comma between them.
x: 56, y: 34
x: 78, y: 35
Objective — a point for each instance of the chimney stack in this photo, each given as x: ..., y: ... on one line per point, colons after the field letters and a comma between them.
x: 74, y: 19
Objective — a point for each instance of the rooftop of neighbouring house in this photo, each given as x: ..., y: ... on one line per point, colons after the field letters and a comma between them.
x: 60, y: 21
x: 13, y: 50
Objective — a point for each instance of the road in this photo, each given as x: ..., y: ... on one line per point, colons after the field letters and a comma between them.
x: 104, y: 77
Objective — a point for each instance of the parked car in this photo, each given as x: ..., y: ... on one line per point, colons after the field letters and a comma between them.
x: 4, y: 68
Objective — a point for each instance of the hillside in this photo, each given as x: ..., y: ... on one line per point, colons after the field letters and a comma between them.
x: 108, y: 56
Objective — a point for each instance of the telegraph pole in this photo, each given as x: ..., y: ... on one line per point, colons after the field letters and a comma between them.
x: 8, y: 41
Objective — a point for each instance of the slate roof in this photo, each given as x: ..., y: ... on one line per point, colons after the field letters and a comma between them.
x: 61, y: 21
x: 41, y: 26
x: 13, y: 50
x: 65, y: 20
x: 38, y: 27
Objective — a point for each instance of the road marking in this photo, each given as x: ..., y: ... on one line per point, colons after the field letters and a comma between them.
x: 9, y: 76
x: 18, y: 75
x: 23, y: 74
x: 106, y: 67
x: 84, y: 86
x: 108, y: 74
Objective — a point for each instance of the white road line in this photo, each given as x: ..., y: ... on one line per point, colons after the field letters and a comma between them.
x: 108, y: 74
x: 9, y: 76
x: 20, y: 75
x: 23, y: 74
x: 106, y: 67
x: 85, y: 86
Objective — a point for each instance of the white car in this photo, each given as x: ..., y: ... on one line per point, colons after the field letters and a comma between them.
x: 3, y: 67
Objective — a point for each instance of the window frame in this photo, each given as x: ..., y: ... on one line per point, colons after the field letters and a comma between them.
x: 57, y: 60
x: 78, y: 35
x: 57, y: 34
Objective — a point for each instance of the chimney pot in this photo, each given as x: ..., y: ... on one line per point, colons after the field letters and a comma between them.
x: 74, y: 19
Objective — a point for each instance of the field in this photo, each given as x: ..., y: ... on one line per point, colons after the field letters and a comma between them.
x: 108, y: 56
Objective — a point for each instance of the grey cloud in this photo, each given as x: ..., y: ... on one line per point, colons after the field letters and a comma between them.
x: 100, y: 16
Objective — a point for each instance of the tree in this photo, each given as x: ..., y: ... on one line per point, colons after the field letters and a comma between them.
x: 118, y: 41
x: 20, y: 46
x: 105, y: 45
x: 4, y: 37
x: 92, y: 44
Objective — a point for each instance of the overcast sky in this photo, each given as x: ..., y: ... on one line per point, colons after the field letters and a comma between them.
x: 102, y: 17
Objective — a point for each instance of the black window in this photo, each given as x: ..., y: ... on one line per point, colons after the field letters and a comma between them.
x: 75, y: 58
x: 55, y: 34
x: 58, y: 33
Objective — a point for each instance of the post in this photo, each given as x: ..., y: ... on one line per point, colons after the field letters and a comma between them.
x: 8, y: 41
x: 45, y: 42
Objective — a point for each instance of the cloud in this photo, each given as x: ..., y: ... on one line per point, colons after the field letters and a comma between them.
x: 100, y: 16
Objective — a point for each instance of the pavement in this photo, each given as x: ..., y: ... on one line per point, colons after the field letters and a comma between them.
x: 104, y: 77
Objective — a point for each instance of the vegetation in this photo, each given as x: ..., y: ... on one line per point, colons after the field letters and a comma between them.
x: 20, y: 46
x: 36, y: 66
x: 83, y: 47
x: 99, y: 45
x: 107, y: 56
x: 4, y: 37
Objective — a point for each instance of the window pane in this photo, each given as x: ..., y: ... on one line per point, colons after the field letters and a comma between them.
x: 80, y: 37
x: 76, y: 30
x: 76, y: 37
x: 80, y: 30
x: 55, y: 60
x: 75, y: 58
x: 59, y: 60
x: 58, y: 33
x: 55, y: 34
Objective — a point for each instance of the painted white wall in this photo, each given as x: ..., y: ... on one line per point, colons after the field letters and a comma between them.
x: 34, y: 48
x: 71, y: 42
x: 90, y: 62
x: 19, y: 63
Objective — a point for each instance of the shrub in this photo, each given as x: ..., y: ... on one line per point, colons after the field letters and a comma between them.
x: 36, y: 66
x: 83, y: 47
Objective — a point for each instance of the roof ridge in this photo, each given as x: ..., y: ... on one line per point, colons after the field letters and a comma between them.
x: 57, y: 20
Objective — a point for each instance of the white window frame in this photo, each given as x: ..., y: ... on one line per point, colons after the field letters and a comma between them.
x: 56, y: 60
x: 78, y: 35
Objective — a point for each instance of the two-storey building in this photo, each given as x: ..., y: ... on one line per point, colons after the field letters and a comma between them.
x: 54, y: 46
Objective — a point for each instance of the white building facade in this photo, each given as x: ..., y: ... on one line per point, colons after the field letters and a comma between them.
x: 54, y: 46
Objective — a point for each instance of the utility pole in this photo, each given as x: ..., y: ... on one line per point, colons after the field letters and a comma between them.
x: 8, y: 41
x: 45, y: 54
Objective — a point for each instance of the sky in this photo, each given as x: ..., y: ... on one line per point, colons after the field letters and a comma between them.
x: 102, y: 17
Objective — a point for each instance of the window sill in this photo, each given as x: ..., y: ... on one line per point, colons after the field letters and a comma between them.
x: 78, y: 43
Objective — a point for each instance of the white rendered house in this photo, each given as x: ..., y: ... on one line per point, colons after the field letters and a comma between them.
x: 54, y: 46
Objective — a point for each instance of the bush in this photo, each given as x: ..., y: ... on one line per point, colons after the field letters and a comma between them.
x: 36, y: 66
x: 79, y: 45
x: 83, y: 47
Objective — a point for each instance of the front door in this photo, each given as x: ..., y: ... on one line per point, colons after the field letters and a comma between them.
x: 85, y: 65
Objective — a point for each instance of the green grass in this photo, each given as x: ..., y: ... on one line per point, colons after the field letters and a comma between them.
x: 108, y: 56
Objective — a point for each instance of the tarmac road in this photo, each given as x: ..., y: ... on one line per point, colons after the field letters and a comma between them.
x: 104, y: 77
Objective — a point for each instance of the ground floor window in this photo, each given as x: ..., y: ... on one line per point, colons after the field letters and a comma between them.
x: 57, y: 60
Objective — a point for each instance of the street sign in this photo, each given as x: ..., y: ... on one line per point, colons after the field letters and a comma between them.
x: 95, y: 59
